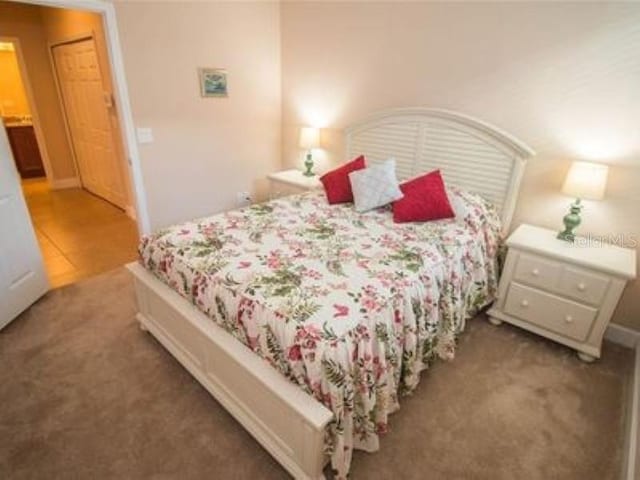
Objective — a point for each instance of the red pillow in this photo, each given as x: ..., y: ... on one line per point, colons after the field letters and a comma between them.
x: 336, y: 182
x: 425, y: 198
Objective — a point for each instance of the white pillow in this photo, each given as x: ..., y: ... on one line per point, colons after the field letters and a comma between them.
x: 459, y: 206
x: 375, y: 186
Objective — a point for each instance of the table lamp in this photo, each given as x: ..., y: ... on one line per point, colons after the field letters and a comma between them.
x: 309, y: 139
x: 587, y: 181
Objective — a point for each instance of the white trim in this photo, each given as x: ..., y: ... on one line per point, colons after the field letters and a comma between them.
x: 288, y: 423
x: 33, y: 107
x: 630, y: 339
x: 634, y: 421
x: 622, y: 335
x: 61, y: 183
x: 121, y: 93
x: 411, y: 135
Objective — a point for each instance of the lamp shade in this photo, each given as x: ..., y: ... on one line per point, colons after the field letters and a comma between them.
x: 309, y: 137
x: 586, y: 180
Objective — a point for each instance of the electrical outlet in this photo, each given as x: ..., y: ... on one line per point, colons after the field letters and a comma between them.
x: 243, y: 199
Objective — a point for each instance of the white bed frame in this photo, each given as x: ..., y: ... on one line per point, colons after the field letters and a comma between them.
x: 287, y: 422
x: 470, y: 153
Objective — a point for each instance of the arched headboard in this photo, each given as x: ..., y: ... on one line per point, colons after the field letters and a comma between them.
x: 471, y: 154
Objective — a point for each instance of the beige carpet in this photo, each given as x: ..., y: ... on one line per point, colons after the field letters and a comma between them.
x: 85, y: 394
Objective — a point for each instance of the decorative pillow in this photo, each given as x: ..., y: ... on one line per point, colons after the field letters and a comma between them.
x: 425, y: 198
x: 336, y: 182
x: 375, y: 186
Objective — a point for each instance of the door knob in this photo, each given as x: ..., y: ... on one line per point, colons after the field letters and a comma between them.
x: 108, y: 99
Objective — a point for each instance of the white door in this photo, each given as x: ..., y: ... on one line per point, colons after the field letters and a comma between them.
x: 87, y: 109
x: 22, y: 276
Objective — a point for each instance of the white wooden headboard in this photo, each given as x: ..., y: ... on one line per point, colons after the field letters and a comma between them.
x: 471, y: 154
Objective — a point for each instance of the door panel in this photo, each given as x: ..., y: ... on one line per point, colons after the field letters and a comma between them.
x: 83, y: 96
x: 22, y: 276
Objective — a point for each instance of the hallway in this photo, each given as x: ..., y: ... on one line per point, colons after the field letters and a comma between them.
x: 80, y: 235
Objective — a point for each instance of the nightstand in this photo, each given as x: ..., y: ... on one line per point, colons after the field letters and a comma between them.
x: 564, y: 291
x: 290, y: 182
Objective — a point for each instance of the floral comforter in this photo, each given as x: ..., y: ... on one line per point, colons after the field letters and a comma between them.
x: 350, y: 306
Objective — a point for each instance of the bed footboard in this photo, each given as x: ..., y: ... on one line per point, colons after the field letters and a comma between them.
x: 286, y: 421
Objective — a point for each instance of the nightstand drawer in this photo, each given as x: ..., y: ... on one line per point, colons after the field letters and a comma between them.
x: 537, y: 271
x: 583, y: 285
x: 550, y: 312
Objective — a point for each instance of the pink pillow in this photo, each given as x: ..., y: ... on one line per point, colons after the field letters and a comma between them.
x: 336, y: 182
x: 425, y: 198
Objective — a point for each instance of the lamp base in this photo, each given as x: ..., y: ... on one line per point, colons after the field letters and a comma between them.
x: 567, y: 236
x: 308, y: 163
x: 571, y: 221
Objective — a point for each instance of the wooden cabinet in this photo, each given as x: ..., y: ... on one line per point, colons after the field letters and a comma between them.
x: 25, y: 151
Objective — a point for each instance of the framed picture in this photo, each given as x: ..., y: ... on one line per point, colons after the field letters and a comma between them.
x: 213, y: 82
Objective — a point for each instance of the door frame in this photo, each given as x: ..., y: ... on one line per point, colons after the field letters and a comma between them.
x: 35, y: 116
x: 121, y: 93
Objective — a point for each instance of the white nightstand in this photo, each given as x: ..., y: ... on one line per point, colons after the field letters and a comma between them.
x: 563, y: 291
x: 289, y: 182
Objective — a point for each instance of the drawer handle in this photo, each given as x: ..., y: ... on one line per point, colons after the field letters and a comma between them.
x: 535, y: 272
x: 524, y: 303
x: 582, y: 287
x: 568, y: 319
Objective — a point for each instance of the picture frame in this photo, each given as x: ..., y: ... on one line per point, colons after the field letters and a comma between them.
x: 213, y: 82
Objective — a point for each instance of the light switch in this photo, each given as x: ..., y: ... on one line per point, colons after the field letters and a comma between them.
x: 145, y: 135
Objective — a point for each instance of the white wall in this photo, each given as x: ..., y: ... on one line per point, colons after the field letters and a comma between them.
x: 563, y: 77
x: 205, y: 149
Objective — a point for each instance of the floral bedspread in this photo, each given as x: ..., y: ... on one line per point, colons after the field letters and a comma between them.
x: 350, y: 306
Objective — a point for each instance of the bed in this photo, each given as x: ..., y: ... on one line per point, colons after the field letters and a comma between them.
x: 306, y: 321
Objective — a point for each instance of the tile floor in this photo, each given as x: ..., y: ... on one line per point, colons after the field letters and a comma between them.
x: 80, y: 234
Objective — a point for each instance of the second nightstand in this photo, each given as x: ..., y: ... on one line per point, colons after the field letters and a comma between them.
x: 563, y: 291
x: 290, y: 182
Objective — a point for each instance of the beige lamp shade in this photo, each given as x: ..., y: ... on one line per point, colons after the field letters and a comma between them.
x: 586, y: 180
x: 309, y: 137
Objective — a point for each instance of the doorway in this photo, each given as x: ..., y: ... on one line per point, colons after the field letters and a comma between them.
x: 16, y: 114
x: 81, y: 216
x: 22, y: 272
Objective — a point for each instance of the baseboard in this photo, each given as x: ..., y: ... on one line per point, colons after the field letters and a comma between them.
x: 622, y: 335
x: 130, y: 211
x: 71, y: 182
x: 632, y: 462
x: 631, y: 339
